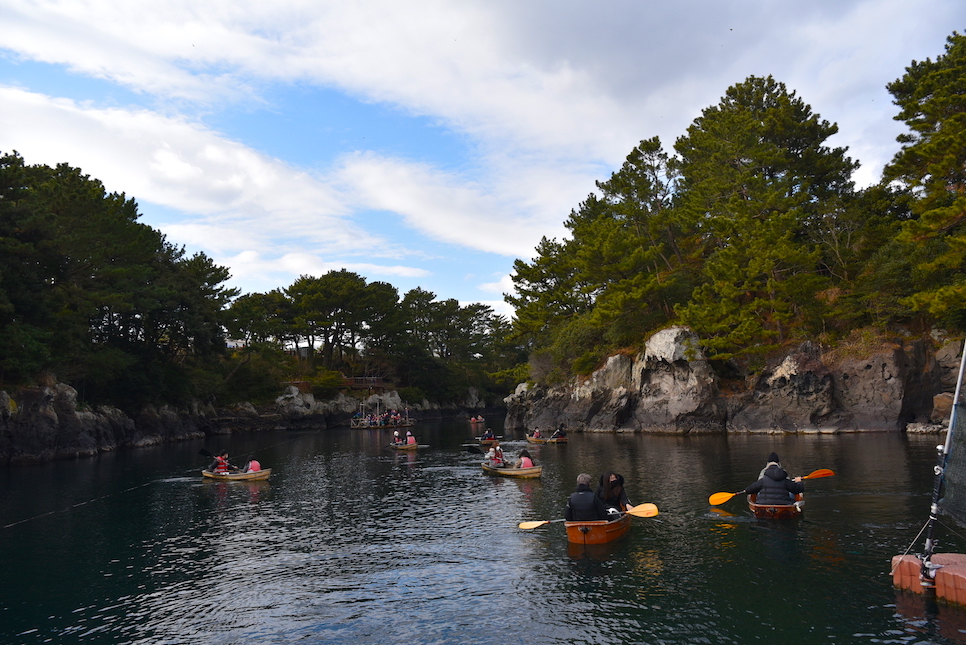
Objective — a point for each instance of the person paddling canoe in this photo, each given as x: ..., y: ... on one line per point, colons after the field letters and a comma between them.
x: 773, y: 486
x: 221, y: 466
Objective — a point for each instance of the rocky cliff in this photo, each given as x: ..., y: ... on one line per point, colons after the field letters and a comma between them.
x: 670, y: 387
x: 43, y: 423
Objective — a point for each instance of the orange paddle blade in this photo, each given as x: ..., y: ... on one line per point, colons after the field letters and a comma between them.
x: 821, y: 472
x: 720, y: 498
x: 534, y: 524
x: 643, y: 510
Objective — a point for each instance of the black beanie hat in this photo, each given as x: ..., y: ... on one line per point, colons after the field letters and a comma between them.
x: 774, y: 457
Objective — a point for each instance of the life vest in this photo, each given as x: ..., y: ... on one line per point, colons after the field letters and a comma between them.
x: 410, y: 440
x: 253, y: 466
x: 526, y: 462
x: 222, y: 466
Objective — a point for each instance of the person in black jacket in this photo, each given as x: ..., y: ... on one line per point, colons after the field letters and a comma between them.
x: 583, y: 504
x: 611, y: 490
x: 774, y: 486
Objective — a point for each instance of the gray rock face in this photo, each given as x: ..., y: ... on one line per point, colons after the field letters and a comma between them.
x: 47, y: 424
x: 671, y: 388
x: 44, y: 423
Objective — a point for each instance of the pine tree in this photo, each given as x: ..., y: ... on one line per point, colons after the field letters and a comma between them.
x: 755, y: 176
x: 932, y: 163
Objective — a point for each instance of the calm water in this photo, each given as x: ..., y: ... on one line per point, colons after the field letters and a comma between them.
x: 352, y: 543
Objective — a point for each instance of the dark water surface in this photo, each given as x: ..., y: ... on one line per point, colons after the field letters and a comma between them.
x: 352, y: 543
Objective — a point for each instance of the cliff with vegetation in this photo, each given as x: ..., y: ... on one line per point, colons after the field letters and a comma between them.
x: 671, y: 388
x: 92, y: 298
x: 749, y: 238
x: 752, y: 235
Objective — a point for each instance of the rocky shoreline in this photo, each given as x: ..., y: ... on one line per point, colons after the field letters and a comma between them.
x: 46, y: 423
x: 670, y: 388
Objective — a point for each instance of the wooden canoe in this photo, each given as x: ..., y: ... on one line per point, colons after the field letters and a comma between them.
x: 487, y: 442
x: 597, y: 531
x: 533, y: 439
x: 557, y: 440
x: 238, y: 477
x: 510, y: 471
x: 408, y: 446
x: 776, y: 511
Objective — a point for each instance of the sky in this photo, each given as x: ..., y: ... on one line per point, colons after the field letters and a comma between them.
x: 427, y: 143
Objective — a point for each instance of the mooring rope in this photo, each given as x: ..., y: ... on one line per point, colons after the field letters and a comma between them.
x: 911, y: 544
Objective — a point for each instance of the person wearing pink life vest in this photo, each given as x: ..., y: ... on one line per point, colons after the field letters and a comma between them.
x: 525, y: 460
x: 410, y: 439
x: 252, y: 466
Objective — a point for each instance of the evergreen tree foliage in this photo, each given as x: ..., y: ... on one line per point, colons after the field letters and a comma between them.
x: 96, y: 298
x: 756, y: 178
x: 931, y: 96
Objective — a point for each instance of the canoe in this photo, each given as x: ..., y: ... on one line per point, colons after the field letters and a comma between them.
x: 776, y: 511
x: 238, y: 477
x: 509, y: 471
x: 408, y: 446
x: 557, y: 440
x: 597, y: 531
x: 487, y: 442
x: 533, y: 439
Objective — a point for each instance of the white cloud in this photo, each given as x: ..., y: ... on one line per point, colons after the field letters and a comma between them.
x: 549, y: 98
x: 239, y: 197
x: 501, y: 286
x: 444, y: 207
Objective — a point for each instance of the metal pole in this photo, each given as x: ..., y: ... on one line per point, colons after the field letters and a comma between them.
x: 940, y: 470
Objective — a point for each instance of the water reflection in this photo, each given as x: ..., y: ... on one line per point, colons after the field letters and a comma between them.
x: 599, y: 552
x: 349, y: 542
x: 923, y: 618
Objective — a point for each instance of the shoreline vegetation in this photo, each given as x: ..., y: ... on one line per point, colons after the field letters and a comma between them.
x: 750, y: 236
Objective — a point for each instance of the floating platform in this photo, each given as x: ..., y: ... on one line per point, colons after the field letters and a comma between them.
x: 949, y: 582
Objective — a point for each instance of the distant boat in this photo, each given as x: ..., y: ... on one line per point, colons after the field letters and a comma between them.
x: 408, y: 446
x: 533, y: 439
x: 509, y: 471
x: 238, y: 477
x: 380, y: 420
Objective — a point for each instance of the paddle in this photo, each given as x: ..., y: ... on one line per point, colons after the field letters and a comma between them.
x: 474, y: 450
x: 821, y: 472
x: 721, y: 498
x: 641, y: 510
x: 534, y: 524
